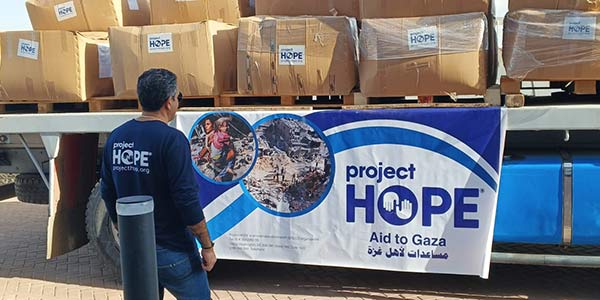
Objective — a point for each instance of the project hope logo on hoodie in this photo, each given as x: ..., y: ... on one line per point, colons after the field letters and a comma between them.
x: 125, y: 158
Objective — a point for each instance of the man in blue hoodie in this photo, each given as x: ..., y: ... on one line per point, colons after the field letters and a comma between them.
x: 146, y: 156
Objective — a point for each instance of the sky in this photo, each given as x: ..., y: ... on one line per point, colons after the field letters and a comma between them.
x: 13, y: 16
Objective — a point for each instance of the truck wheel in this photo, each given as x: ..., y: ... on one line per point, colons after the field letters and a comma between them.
x: 100, y: 231
x: 30, y: 188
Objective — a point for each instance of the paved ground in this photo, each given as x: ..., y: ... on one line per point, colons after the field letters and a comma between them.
x: 26, y: 274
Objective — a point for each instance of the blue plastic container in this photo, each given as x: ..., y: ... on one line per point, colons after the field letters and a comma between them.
x: 586, y: 199
x: 530, y: 200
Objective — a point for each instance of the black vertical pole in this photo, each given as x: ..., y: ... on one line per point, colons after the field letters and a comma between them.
x: 138, y: 247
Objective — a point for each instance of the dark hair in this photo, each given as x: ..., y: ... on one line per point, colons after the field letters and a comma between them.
x: 154, y: 88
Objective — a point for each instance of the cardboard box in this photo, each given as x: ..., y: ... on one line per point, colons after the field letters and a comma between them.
x: 553, y: 45
x: 515, y: 5
x: 422, y: 8
x: 59, y: 66
x: 189, y: 11
x: 307, y: 8
x: 296, y: 56
x: 74, y: 15
x: 136, y: 12
x: 430, y: 56
x: 372, y: 9
x: 202, y: 55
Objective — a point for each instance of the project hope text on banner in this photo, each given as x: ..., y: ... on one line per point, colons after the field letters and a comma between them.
x: 403, y: 190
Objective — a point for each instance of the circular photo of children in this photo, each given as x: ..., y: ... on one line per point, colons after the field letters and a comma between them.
x: 223, y: 147
x: 292, y: 173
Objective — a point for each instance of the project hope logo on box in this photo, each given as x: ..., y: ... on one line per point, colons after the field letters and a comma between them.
x: 292, y: 55
x: 28, y: 49
x: 580, y: 28
x: 160, y: 42
x: 65, y: 11
x: 423, y: 38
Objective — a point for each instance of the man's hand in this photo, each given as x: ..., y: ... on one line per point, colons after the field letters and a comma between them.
x: 209, y: 258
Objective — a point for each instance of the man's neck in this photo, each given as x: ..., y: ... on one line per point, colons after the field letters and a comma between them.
x: 153, y: 116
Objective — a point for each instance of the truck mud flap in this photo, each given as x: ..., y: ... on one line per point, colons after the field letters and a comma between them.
x: 73, y: 175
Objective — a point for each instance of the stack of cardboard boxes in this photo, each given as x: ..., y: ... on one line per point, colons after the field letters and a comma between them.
x: 184, y: 39
x: 311, y: 51
x: 200, y: 54
x: 67, y: 58
x: 63, y: 59
x: 76, y: 15
x: 61, y: 66
x: 297, y: 56
x: 551, y: 40
x: 424, y: 48
x: 294, y: 48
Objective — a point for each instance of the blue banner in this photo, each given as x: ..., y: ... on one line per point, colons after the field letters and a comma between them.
x: 407, y: 190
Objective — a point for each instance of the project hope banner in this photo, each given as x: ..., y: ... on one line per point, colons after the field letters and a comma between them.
x: 405, y: 190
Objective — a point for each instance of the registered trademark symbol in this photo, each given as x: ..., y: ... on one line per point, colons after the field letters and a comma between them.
x: 482, y: 191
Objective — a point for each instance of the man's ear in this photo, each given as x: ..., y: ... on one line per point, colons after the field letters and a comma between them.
x: 168, y: 104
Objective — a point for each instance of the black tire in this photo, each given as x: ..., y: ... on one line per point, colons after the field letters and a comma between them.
x: 100, y: 230
x: 30, y: 188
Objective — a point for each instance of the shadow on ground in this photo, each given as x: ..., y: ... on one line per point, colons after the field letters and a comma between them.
x: 23, y: 248
x: 7, y: 191
x: 506, y: 282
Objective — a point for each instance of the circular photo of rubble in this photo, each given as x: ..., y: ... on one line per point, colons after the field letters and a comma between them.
x: 223, y: 147
x: 293, y: 169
